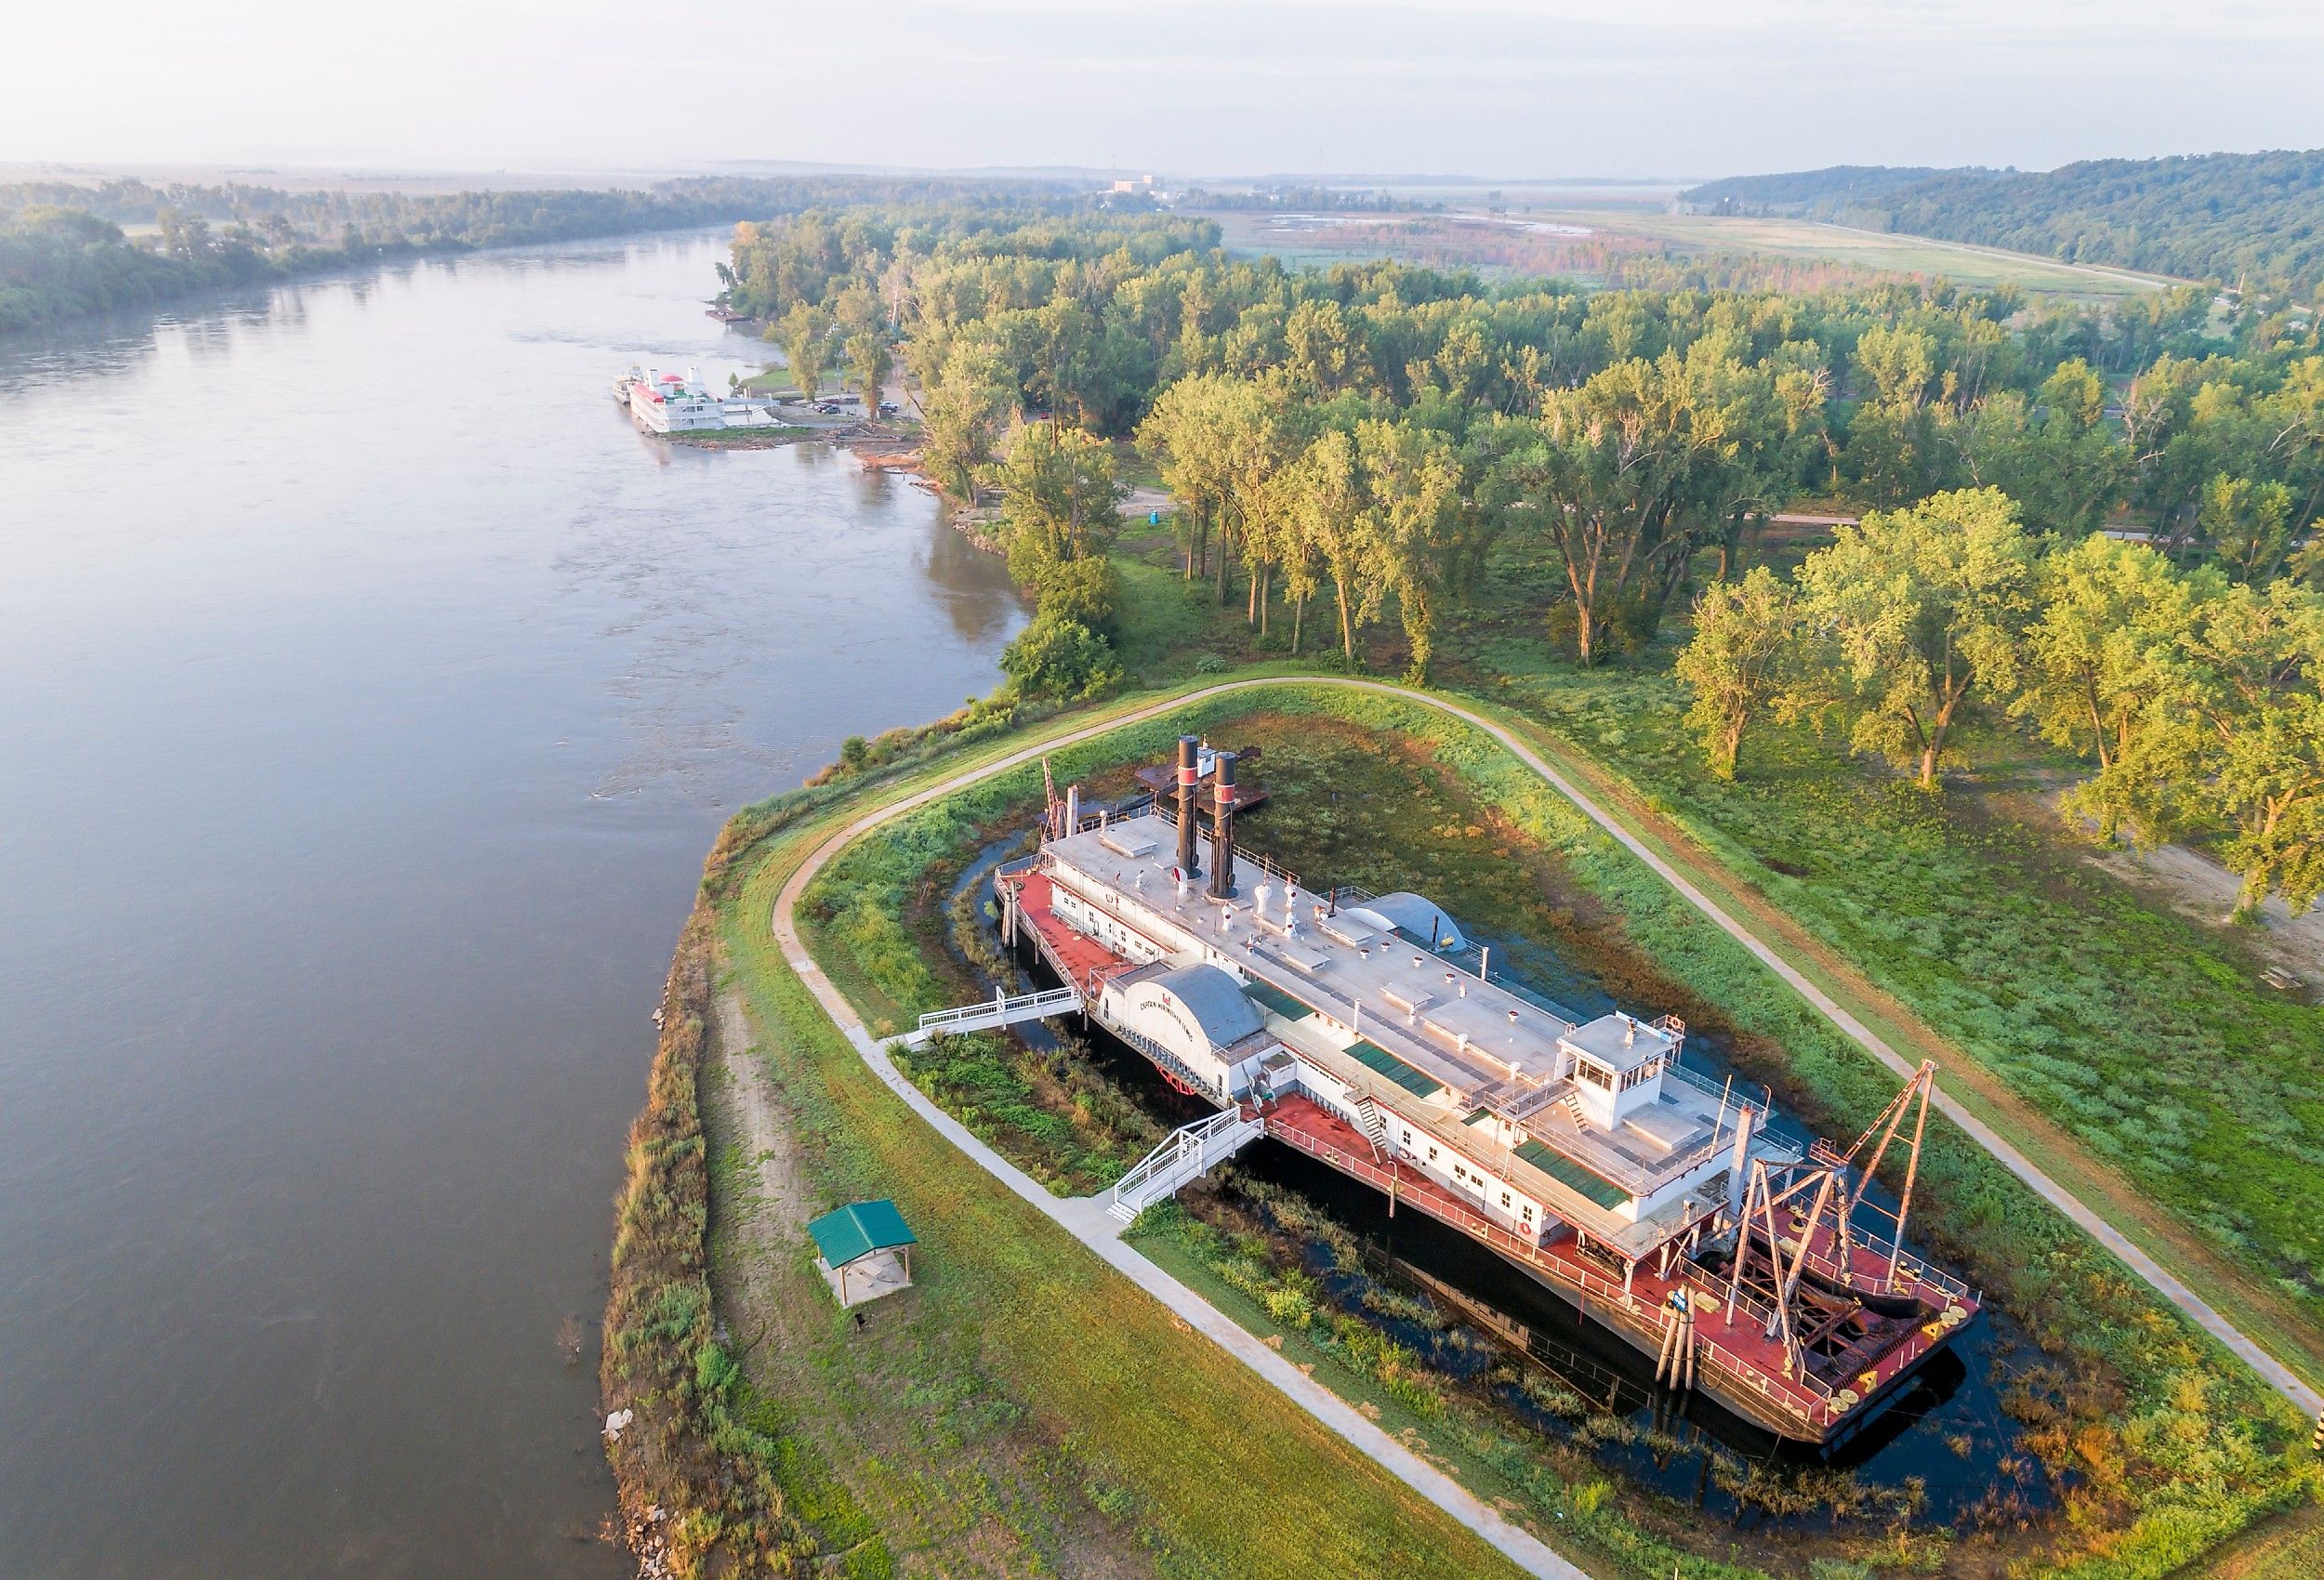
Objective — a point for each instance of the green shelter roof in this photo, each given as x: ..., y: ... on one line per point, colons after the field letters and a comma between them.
x: 857, y: 1229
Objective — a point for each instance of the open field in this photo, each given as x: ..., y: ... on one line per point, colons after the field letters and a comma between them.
x: 1872, y: 249
x: 1595, y: 246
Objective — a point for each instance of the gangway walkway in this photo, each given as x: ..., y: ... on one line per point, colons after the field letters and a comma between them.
x: 997, y: 1010
x: 1185, y: 1156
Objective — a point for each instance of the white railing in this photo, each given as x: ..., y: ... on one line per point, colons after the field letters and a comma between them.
x: 998, y: 1010
x: 1186, y: 1154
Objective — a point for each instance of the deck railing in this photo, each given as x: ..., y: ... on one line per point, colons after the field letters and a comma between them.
x: 1803, y: 1394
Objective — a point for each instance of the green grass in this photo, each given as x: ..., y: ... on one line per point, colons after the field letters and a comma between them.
x: 2150, y: 1038
x: 2288, y: 1548
x: 2174, y: 1445
x: 1211, y: 1473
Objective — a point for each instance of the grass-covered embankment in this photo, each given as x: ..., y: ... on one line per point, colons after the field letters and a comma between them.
x: 680, y: 1451
x: 1112, y: 1440
x: 2147, y: 1037
x: 2164, y: 1444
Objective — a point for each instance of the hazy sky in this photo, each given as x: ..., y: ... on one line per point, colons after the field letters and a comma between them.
x: 1505, y: 87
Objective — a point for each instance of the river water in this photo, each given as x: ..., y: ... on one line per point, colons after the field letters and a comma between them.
x: 369, y: 692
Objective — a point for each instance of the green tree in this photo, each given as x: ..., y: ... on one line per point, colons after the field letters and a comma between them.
x: 1745, y: 655
x: 1646, y: 461
x: 803, y: 333
x: 2104, y: 649
x: 1060, y: 499
x: 1058, y: 657
x: 963, y: 412
x: 1413, y: 508
x: 1926, y: 608
x: 2247, y: 526
x: 869, y: 360
x: 2261, y: 703
x: 1336, y: 530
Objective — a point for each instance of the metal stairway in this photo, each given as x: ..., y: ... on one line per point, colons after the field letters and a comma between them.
x: 1185, y: 1155
x: 997, y: 1010
x: 1375, y: 1128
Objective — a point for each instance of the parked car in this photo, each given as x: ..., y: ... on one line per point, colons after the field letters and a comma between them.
x: 826, y: 408
x: 887, y: 408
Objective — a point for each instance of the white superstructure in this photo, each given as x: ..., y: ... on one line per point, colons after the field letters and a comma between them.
x: 670, y: 402
x: 1539, y: 1119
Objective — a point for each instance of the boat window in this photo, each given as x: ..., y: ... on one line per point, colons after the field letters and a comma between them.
x: 1596, y: 1075
x: 1504, y: 1198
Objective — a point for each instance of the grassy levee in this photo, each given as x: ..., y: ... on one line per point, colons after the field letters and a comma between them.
x: 1207, y: 1468
x: 2237, y: 1292
x: 2171, y: 1447
x: 682, y: 1452
x: 2290, y: 1547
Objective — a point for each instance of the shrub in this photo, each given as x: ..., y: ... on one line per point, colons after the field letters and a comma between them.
x: 1058, y: 657
x: 1085, y: 591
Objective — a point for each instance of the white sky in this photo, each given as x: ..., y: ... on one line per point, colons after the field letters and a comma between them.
x: 1499, y: 88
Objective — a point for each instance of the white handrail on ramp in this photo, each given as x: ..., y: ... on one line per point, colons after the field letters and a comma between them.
x: 997, y: 1010
x: 1185, y: 1155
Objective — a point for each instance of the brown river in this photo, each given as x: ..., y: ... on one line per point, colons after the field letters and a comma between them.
x: 369, y: 692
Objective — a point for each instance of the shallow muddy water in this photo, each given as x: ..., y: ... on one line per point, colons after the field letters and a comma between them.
x: 369, y: 692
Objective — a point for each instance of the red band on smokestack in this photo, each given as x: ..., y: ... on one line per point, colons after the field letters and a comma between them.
x: 1190, y: 776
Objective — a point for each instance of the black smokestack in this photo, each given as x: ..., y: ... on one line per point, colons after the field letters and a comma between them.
x: 1222, y: 836
x: 1189, y: 816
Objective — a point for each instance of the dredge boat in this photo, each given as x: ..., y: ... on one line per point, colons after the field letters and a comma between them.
x: 1368, y: 1031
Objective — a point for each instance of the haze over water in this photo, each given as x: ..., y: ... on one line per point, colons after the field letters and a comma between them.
x: 369, y: 692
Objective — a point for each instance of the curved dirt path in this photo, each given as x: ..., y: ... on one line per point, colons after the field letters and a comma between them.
x: 1088, y: 1221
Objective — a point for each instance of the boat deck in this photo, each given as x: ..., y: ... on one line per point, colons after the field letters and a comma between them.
x: 1080, y: 958
x: 1739, y: 1363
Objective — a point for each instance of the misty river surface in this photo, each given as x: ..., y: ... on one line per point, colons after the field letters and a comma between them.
x: 369, y: 692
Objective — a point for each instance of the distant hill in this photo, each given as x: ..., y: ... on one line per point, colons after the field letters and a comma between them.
x: 1800, y: 191
x: 2227, y: 217
x: 2252, y: 217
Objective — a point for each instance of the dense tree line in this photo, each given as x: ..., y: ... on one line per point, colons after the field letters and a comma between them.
x: 1367, y: 435
x: 2253, y: 219
x: 1798, y: 191
x: 63, y: 253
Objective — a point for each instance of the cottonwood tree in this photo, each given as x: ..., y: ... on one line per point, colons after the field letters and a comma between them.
x: 2102, y: 661
x: 1217, y: 441
x: 1061, y: 501
x: 1926, y: 608
x: 1411, y: 486
x: 963, y: 412
x: 1329, y: 514
x: 2260, y: 701
x: 1628, y: 474
x: 803, y: 331
x: 869, y: 359
x: 1745, y: 658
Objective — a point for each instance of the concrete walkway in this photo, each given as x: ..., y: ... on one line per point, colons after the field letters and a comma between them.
x: 1088, y: 1221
